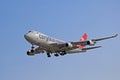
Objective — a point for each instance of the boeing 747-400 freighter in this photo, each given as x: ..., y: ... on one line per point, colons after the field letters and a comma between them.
x: 59, y: 47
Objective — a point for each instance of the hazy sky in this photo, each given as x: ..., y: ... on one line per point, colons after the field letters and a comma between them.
x: 62, y: 19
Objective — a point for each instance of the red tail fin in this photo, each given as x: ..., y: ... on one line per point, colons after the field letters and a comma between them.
x: 83, y: 38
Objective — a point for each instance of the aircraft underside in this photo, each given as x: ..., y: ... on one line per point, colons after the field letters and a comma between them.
x: 49, y: 51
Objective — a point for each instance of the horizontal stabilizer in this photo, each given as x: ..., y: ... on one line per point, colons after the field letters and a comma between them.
x: 91, y: 48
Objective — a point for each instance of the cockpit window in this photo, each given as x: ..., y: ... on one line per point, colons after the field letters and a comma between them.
x: 29, y: 31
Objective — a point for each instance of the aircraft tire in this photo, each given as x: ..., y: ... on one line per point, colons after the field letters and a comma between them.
x: 56, y: 55
x: 48, y: 55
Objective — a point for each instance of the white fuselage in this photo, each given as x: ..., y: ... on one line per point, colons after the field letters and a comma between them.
x: 42, y: 40
x: 39, y: 39
x: 59, y: 47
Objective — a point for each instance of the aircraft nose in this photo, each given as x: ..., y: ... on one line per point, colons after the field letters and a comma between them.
x: 27, y: 36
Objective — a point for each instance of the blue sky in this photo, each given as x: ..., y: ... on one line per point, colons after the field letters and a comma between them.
x: 62, y: 19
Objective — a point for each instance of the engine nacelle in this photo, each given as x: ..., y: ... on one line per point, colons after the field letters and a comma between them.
x: 91, y: 43
x: 30, y: 52
x: 68, y: 45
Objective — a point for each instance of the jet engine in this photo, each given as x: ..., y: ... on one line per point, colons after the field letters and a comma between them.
x: 30, y: 52
x: 68, y: 45
x: 91, y: 43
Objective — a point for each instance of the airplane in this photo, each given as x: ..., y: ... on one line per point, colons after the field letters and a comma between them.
x: 58, y: 47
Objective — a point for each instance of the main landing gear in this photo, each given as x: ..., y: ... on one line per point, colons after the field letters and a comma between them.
x: 56, y: 54
x: 48, y: 55
x: 62, y: 53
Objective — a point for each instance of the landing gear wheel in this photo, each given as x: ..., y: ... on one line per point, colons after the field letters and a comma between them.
x: 56, y: 55
x: 48, y: 54
x: 63, y: 53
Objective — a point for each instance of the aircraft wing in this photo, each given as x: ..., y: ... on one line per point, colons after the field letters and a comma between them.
x: 105, y: 38
x: 93, y: 41
x: 74, y: 45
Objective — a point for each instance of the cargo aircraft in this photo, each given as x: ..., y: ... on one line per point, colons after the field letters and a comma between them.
x: 58, y: 47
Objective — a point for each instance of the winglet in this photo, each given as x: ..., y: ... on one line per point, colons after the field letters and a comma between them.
x: 115, y: 35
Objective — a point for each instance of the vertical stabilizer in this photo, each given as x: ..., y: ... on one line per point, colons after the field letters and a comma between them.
x: 83, y: 38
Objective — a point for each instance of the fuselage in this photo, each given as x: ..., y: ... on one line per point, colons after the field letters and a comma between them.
x: 59, y: 47
x: 37, y: 38
x: 43, y: 41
